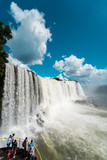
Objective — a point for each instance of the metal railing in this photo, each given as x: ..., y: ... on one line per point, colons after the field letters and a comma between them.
x: 3, y: 144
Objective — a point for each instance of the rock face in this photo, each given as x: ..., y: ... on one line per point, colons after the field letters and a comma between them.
x: 2, y: 70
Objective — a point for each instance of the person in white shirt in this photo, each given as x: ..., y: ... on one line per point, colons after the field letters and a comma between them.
x: 32, y: 152
x: 9, y: 141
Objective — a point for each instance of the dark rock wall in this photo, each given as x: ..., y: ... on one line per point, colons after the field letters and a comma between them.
x: 2, y: 69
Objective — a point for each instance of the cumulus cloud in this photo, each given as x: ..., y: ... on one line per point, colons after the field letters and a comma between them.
x: 63, y: 56
x: 73, y: 67
x: 17, y: 63
x: 49, y: 55
x: 29, y: 43
x: 59, y: 65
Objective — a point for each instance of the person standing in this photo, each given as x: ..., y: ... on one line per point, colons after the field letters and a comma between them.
x: 10, y: 154
x: 15, y: 147
x: 31, y: 144
x: 32, y: 152
x: 25, y: 143
x: 13, y: 140
x: 9, y: 141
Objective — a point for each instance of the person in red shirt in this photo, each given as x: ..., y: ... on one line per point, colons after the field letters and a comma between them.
x: 9, y: 154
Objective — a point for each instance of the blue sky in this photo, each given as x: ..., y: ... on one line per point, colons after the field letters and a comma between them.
x: 74, y: 29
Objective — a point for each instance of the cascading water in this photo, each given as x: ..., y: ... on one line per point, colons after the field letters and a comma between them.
x: 26, y: 94
x: 22, y: 96
x: 46, y: 110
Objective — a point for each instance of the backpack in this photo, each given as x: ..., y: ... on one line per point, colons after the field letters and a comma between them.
x: 23, y: 144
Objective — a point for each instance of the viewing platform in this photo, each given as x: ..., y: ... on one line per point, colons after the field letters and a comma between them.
x: 21, y: 153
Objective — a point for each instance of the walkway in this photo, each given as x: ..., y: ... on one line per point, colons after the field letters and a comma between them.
x: 21, y: 153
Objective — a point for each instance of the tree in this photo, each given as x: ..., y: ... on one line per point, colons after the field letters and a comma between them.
x: 5, y: 34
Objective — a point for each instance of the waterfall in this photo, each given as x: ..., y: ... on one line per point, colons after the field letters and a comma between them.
x: 26, y: 94
x: 51, y: 112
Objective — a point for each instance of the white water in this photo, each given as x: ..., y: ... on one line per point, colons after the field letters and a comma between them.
x: 45, y: 109
x: 26, y: 95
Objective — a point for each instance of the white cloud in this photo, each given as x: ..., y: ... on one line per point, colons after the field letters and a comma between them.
x: 73, y: 67
x: 49, y: 55
x: 17, y: 63
x: 29, y: 43
x: 59, y: 65
x: 63, y: 56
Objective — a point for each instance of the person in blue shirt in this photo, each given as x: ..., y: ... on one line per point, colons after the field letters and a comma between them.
x: 31, y: 144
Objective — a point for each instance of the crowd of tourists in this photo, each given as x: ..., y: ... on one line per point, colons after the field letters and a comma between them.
x: 29, y: 150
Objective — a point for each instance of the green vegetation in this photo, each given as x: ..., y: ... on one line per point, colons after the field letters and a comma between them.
x: 5, y: 34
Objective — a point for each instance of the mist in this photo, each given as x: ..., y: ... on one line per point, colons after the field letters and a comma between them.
x: 96, y: 95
